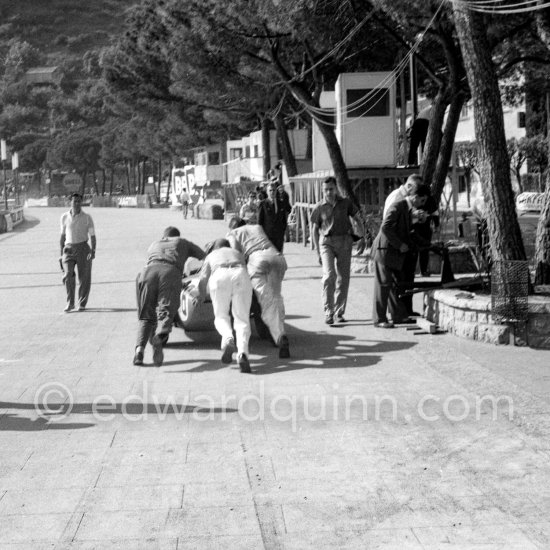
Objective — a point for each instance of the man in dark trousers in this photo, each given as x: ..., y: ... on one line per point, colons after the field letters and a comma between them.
x: 390, y: 248
x: 158, y: 288
x: 77, y: 228
x: 273, y: 215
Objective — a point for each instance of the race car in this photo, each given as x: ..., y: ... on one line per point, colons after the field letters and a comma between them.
x: 198, y: 315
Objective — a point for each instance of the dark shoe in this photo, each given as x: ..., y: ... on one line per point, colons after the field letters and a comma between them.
x: 68, y: 307
x: 340, y: 319
x: 158, y: 354
x: 227, y: 351
x: 383, y: 324
x: 284, y: 348
x: 426, y: 274
x: 329, y: 320
x: 81, y: 308
x: 414, y: 314
x: 244, y: 365
x: 406, y: 321
x: 138, y: 357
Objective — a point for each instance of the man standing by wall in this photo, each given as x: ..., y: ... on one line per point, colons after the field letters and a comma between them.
x: 332, y: 238
x: 390, y: 248
x: 76, y: 227
x: 414, y: 181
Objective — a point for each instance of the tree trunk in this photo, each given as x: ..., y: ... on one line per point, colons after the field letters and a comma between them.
x: 111, y: 180
x: 266, y: 147
x: 504, y: 233
x: 286, y: 149
x: 84, y: 175
x: 542, y: 243
x: 433, y: 139
x: 167, y: 198
x: 446, y: 148
x: 128, y: 180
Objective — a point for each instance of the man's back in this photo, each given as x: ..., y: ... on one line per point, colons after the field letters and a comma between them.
x: 249, y: 239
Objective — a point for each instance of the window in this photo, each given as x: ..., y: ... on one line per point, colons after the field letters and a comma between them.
x: 368, y: 102
x: 256, y: 155
x: 214, y: 157
x: 247, y: 151
x: 235, y: 153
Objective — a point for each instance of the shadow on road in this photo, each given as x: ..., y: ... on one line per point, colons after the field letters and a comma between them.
x: 309, y: 350
x: 100, y: 411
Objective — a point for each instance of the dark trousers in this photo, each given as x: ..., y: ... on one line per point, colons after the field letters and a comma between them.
x: 385, y: 295
x: 158, y: 289
x: 76, y: 255
x: 407, y: 276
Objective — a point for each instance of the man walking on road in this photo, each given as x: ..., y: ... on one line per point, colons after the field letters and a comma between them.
x: 76, y: 228
x: 332, y: 238
x: 267, y: 268
x: 185, y: 198
x: 158, y: 288
x: 224, y: 272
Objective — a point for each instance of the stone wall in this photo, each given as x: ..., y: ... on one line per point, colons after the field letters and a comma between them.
x: 469, y: 316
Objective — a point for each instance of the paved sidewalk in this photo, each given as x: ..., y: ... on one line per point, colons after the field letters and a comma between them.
x: 364, y: 438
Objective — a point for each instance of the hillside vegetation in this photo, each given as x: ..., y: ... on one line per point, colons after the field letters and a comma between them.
x: 62, y: 29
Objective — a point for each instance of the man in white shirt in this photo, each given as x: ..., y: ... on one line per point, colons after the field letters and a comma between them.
x: 266, y: 267
x: 76, y: 228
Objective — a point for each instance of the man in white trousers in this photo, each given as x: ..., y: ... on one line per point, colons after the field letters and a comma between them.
x: 224, y: 272
x: 267, y: 268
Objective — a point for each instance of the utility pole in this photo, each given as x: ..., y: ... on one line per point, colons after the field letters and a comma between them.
x: 4, y: 155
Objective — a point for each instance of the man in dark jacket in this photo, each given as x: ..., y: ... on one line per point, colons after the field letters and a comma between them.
x: 389, y: 251
x: 273, y: 215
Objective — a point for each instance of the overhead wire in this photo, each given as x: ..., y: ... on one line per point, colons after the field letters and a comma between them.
x: 497, y: 6
x: 320, y: 114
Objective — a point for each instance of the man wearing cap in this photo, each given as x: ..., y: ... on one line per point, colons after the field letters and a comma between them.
x: 267, y: 268
x: 158, y: 288
x: 76, y: 227
x: 224, y: 273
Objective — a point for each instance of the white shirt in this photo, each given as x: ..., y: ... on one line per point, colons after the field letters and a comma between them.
x: 396, y: 195
x: 77, y: 228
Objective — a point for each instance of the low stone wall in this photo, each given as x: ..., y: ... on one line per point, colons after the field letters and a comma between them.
x: 469, y: 316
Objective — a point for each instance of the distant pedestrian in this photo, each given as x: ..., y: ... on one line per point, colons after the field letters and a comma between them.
x: 185, y: 198
x: 76, y: 227
x: 224, y: 274
x: 273, y: 214
x: 249, y: 210
x: 332, y: 237
x: 158, y: 288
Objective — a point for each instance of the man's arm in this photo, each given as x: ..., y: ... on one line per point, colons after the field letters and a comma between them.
x: 94, y: 242
x: 62, y: 243
x: 315, y: 237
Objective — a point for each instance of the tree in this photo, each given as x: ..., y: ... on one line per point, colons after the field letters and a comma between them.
x: 467, y: 155
x: 517, y: 153
x: 505, y: 237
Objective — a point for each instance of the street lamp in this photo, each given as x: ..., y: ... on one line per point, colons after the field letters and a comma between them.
x: 4, y: 156
x: 15, y: 172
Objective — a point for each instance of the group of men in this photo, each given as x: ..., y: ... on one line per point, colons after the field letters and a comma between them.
x: 234, y: 267
x: 250, y: 260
